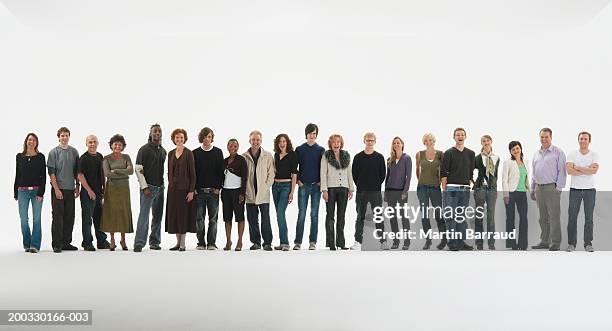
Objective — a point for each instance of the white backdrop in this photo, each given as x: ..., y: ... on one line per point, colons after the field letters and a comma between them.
x: 505, y: 68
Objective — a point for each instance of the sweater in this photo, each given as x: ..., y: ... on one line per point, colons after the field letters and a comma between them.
x: 458, y: 166
x: 369, y: 171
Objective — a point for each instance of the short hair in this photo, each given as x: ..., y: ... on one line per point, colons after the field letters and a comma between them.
x: 277, y: 141
x: 585, y: 132
x: 546, y: 130
x: 331, y: 139
x: 369, y: 134
x: 233, y: 140
x: 429, y: 135
x: 513, y: 144
x: 178, y: 131
x: 311, y: 128
x: 117, y: 138
x: 459, y: 129
x: 25, y: 142
x: 61, y: 130
x: 255, y: 132
x: 204, y: 132
x: 156, y: 125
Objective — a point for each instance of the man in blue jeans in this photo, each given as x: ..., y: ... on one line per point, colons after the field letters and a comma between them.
x: 309, y: 186
x: 457, y: 173
x: 91, y: 177
x: 150, y: 173
x: 582, y: 165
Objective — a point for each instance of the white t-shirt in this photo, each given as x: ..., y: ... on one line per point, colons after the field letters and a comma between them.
x: 578, y: 159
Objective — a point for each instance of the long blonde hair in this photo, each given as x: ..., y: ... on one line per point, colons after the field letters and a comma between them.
x: 393, y: 156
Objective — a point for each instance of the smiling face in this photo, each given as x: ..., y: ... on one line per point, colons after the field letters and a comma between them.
x: 282, y: 144
x: 64, y: 138
x: 92, y: 144
x: 398, y: 146
x: 179, y: 139
x: 516, y: 152
x: 117, y: 147
x: 584, y: 140
x: 255, y: 141
x: 545, y: 139
x: 460, y: 137
x: 232, y: 147
x: 156, y: 134
x: 31, y: 143
x: 336, y: 144
x: 369, y: 142
x: 429, y: 143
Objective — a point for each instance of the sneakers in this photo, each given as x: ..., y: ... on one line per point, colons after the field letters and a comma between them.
x: 356, y: 246
x: 34, y: 250
x: 267, y: 247
x: 384, y: 246
x: 211, y: 247
x: 89, y: 248
x: 69, y: 248
x: 285, y: 248
x: 297, y: 247
x: 255, y: 247
x: 570, y: 248
x: 155, y: 247
x: 312, y: 246
x: 201, y: 247
x: 589, y: 248
x: 137, y: 249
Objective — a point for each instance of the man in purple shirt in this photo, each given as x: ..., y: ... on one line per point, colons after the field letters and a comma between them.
x: 547, y: 182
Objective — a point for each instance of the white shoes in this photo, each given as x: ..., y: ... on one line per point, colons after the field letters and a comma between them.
x: 356, y: 246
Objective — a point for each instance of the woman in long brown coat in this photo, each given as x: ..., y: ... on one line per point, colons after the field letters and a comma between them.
x: 180, y: 208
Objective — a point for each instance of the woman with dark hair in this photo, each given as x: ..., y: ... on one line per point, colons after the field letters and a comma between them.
x: 29, y: 188
x: 515, y: 184
x: 180, y: 208
x: 397, y: 183
x: 337, y: 188
x: 285, y: 178
x: 117, y: 210
x: 232, y: 194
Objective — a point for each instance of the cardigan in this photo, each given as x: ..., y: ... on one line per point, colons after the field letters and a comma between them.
x: 511, y: 175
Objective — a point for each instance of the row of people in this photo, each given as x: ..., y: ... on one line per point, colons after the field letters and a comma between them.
x: 199, y: 179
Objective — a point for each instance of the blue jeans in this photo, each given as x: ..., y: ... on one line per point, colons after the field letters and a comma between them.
x: 155, y: 204
x: 91, y: 214
x: 455, y: 197
x: 253, y: 219
x: 280, y: 195
x: 207, y: 202
x: 576, y: 197
x: 433, y: 194
x: 312, y: 191
x: 24, y: 199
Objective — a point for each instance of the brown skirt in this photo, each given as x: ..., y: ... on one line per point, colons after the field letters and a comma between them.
x: 117, y: 209
x: 180, y: 215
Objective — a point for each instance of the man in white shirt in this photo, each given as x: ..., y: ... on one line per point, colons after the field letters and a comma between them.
x: 582, y: 165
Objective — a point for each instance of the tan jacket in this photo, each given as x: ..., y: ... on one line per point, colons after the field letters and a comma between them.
x: 511, y: 175
x: 265, y: 177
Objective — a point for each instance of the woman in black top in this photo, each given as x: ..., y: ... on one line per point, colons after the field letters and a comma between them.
x: 232, y: 194
x: 29, y: 188
x: 285, y: 164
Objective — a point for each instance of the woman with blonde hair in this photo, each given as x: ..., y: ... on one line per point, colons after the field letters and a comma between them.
x: 397, y: 184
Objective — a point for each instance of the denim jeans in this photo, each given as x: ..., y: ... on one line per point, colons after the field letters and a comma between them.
x: 253, y: 219
x: 455, y: 197
x: 374, y: 198
x: 312, y: 191
x: 62, y: 223
x: 207, y: 202
x: 154, y: 204
x: 433, y: 194
x: 91, y: 214
x: 24, y: 199
x: 280, y: 195
x: 336, y: 197
x: 488, y: 196
x: 517, y: 200
x: 575, y: 198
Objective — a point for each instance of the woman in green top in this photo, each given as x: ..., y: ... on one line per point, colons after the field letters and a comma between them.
x: 515, y: 184
x: 428, y: 164
x: 116, y: 210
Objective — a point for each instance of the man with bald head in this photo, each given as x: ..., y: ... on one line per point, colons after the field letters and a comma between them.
x: 91, y: 176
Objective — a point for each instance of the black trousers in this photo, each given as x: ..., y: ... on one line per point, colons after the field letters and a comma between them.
x: 63, y: 219
x: 518, y: 200
x: 334, y: 233
x: 374, y: 198
x: 394, y: 197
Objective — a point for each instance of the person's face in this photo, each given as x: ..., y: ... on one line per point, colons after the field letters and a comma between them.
x: 64, y: 138
x: 207, y: 139
x: 336, y: 144
x: 311, y: 137
x: 282, y: 143
x: 179, y: 139
x: 369, y: 142
x: 31, y: 142
x: 255, y: 141
x: 429, y: 142
x: 460, y: 137
x: 486, y: 143
x: 156, y: 134
x: 232, y: 147
x: 516, y: 152
x: 92, y: 144
x: 398, y: 147
x: 117, y: 147
x: 583, y: 140
x: 545, y: 139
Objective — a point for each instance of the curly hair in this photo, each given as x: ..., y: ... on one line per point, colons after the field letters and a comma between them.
x: 277, y: 141
x: 117, y: 138
x: 331, y: 140
x: 177, y: 131
x: 203, y: 133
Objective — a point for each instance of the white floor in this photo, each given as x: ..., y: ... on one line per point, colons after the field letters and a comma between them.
x: 320, y: 290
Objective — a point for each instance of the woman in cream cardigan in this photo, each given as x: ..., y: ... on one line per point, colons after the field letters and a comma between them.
x: 337, y: 188
x: 515, y: 184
